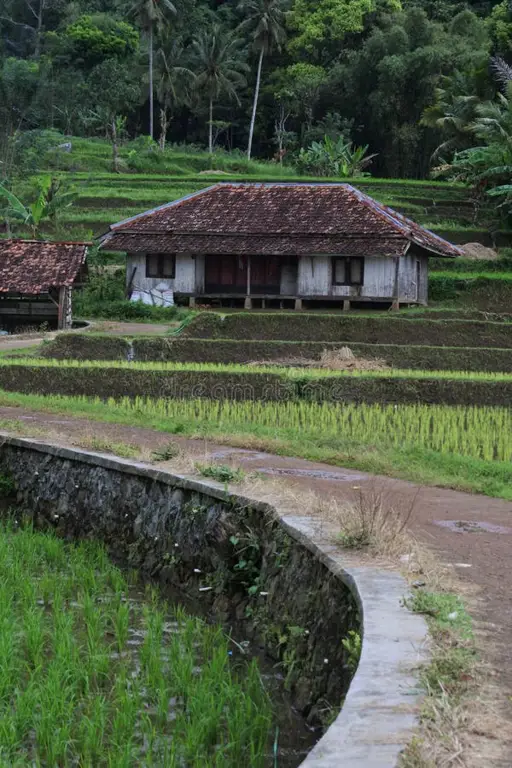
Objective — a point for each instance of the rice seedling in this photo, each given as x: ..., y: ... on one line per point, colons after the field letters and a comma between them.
x: 93, y: 674
x: 239, y: 368
x: 466, y: 447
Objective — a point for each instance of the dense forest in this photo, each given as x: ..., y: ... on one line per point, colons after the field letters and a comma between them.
x: 324, y: 84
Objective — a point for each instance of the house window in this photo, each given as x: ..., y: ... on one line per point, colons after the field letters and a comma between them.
x: 161, y: 265
x: 347, y: 271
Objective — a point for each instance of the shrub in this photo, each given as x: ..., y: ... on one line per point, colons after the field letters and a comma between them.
x: 334, y: 158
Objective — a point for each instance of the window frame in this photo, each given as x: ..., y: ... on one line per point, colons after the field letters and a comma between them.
x: 348, y: 270
x: 161, y: 257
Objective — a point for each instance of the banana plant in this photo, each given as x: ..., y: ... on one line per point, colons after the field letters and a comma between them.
x: 49, y: 203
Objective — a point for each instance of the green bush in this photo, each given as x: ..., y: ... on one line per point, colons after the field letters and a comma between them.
x: 492, y: 291
x: 104, y: 298
x: 125, y: 310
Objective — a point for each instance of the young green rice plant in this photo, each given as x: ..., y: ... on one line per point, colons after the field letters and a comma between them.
x: 121, y: 622
x: 74, y: 691
x: 34, y: 636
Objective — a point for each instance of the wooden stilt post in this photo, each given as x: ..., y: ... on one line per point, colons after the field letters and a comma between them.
x: 248, y: 300
x: 62, y: 309
x: 396, y: 293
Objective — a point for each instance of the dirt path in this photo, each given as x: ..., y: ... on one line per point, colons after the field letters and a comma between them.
x: 480, y: 550
x: 14, y: 342
x: 131, y: 329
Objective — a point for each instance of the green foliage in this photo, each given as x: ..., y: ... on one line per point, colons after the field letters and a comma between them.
x: 104, y: 297
x: 500, y: 28
x: 52, y: 198
x: 371, y: 63
x: 245, y: 384
x: 93, y: 38
x: 353, y: 645
x: 314, y: 21
x: 334, y: 158
x: 401, y: 329
x: 7, y: 486
x: 222, y: 473
x: 446, y: 608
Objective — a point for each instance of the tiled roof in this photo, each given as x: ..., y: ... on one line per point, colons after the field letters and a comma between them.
x: 34, y: 266
x: 270, y: 245
x: 278, y: 211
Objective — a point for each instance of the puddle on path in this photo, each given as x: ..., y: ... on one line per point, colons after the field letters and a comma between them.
x: 472, y: 526
x: 321, y: 474
x: 248, y: 455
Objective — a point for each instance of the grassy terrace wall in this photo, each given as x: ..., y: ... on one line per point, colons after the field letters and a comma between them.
x: 177, y: 349
x: 485, y: 290
x: 111, y: 381
x: 368, y: 330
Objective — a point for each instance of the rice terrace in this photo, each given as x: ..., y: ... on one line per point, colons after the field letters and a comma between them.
x: 255, y: 384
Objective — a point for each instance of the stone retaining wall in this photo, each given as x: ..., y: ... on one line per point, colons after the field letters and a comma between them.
x: 275, y: 570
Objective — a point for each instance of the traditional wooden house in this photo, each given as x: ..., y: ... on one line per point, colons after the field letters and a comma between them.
x: 36, y: 282
x: 276, y: 245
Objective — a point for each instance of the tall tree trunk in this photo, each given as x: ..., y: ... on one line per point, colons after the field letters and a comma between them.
x: 210, y: 134
x: 164, y: 125
x: 115, y: 152
x: 151, y: 127
x: 255, y: 104
x: 39, y: 29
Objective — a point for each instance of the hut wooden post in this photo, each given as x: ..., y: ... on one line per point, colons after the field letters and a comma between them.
x: 396, y: 292
x: 248, y: 300
x: 65, y: 317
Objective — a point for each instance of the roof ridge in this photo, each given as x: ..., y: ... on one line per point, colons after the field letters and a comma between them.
x: 44, y: 242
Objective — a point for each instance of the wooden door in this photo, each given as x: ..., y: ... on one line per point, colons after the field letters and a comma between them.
x: 265, y: 275
x: 225, y: 274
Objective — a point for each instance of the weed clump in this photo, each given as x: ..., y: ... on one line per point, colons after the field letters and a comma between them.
x: 222, y: 473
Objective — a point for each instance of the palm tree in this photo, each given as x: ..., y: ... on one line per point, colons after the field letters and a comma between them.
x: 173, y: 80
x: 452, y: 114
x: 151, y: 14
x: 219, y: 68
x: 265, y: 19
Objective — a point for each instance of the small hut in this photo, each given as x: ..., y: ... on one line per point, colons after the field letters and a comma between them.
x: 37, y: 280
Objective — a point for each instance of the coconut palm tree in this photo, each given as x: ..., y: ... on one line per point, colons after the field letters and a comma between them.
x: 452, y: 114
x: 219, y: 68
x: 265, y: 19
x: 173, y: 81
x: 151, y: 14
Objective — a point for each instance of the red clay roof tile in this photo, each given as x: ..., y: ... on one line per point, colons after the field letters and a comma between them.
x: 34, y: 266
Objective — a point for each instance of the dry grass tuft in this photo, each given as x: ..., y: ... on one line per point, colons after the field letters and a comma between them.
x: 341, y: 359
x: 371, y: 522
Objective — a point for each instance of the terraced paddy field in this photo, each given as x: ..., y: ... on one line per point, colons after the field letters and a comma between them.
x: 435, y: 410
x: 105, y: 197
